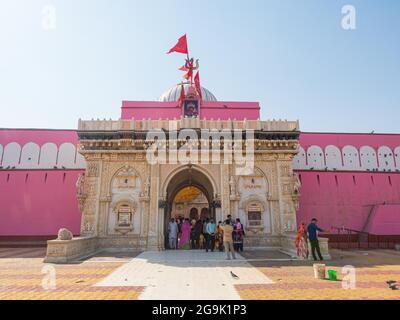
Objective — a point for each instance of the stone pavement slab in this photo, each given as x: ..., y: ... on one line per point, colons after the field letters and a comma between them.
x: 186, y: 275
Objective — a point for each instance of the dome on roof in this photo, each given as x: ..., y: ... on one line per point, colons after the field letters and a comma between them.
x: 173, y: 93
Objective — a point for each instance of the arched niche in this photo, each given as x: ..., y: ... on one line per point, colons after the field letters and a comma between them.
x: 385, y: 158
x: 126, y: 180
x: 255, y: 184
x: 351, y: 160
x: 315, y: 158
x: 333, y: 157
x: 368, y: 158
x: 66, y: 155
x: 255, y: 214
x: 300, y: 161
x: 48, y: 156
x: 397, y: 157
x: 123, y: 216
x: 29, y: 156
x: 11, y: 155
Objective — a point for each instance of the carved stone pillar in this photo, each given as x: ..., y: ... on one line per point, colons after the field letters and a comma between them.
x: 153, y: 235
x: 225, y: 202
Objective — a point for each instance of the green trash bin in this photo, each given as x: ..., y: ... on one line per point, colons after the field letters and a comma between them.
x: 332, y: 275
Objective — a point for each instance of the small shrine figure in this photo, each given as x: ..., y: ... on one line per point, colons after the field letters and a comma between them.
x: 189, y: 67
x: 297, y: 184
x: 80, y: 184
x: 146, y: 187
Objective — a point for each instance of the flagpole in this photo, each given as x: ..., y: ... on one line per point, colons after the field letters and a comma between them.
x: 187, y: 55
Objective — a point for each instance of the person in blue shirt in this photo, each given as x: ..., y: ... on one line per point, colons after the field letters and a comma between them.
x: 313, y: 237
x: 210, y: 235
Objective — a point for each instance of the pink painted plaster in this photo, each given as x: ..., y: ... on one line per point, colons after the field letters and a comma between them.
x: 38, y: 136
x: 33, y: 204
x: 345, y: 199
x: 357, y: 140
x: 223, y: 110
x: 385, y: 220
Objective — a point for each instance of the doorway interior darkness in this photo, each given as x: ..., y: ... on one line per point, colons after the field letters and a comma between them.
x: 193, y: 185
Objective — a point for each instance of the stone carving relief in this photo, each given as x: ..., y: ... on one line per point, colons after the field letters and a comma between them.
x: 146, y: 188
x: 296, y: 184
x: 93, y: 169
x: 80, y: 191
x: 125, y: 178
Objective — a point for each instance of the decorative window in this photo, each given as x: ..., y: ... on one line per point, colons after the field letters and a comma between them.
x: 254, y: 211
x: 124, y: 217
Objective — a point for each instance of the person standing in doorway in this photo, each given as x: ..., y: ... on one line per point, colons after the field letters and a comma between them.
x: 313, y: 237
x: 210, y: 235
x: 220, y: 236
x: 184, y: 239
x: 238, y: 234
x: 228, y: 241
x: 172, y: 233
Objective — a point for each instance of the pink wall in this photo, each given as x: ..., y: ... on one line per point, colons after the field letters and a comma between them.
x: 33, y: 205
x: 345, y: 198
x: 29, y: 205
x: 38, y: 136
x: 223, y: 110
x: 386, y: 220
x: 355, y: 139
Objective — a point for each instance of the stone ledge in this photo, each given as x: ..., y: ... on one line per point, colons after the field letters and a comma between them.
x: 64, y: 251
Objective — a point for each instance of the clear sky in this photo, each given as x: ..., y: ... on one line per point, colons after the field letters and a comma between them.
x: 293, y: 57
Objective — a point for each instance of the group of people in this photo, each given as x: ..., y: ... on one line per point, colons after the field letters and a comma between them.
x: 205, y: 234
x: 305, y: 234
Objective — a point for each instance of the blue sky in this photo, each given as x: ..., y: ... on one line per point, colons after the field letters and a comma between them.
x: 291, y: 56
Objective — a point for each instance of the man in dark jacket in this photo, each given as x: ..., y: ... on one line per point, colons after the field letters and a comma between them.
x: 313, y: 237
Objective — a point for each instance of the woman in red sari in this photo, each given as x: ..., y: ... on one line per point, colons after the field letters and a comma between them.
x: 301, y: 241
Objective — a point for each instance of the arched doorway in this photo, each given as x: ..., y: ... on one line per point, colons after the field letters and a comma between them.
x: 190, y: 194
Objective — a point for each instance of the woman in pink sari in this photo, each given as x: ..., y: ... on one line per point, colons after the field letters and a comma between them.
x: 185, y: 236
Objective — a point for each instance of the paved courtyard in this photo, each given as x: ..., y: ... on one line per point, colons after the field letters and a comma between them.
x: 194, y: 275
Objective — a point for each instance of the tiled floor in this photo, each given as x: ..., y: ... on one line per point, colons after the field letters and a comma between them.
x: 23, y: 275
x: 194, y: 275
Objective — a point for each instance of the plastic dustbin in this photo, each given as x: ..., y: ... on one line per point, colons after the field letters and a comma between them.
x: 332, y: 275
x: 319, y: 271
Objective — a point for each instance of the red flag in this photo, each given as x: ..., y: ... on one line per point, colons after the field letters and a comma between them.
x: 181, y: 46
x: 197, y: 84
x: 183, y: 68
x: 188, y: 74
x: 182, y: 95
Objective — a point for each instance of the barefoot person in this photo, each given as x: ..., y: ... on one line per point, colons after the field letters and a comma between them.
x: 172, y: 233
x: 301, y: 242
x: 184, y: 240
x: 313, y: 237
x: 228, y: 241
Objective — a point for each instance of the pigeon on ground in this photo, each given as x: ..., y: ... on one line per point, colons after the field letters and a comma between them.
x: 392, y: 284
x: 234, y: 276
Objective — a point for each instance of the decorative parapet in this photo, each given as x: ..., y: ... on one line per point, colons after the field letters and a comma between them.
x: 177, y: 124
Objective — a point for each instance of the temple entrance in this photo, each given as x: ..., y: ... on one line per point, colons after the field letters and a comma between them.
x: 189, y: 196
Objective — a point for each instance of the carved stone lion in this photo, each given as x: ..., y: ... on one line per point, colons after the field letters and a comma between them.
x: 64, y: 234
